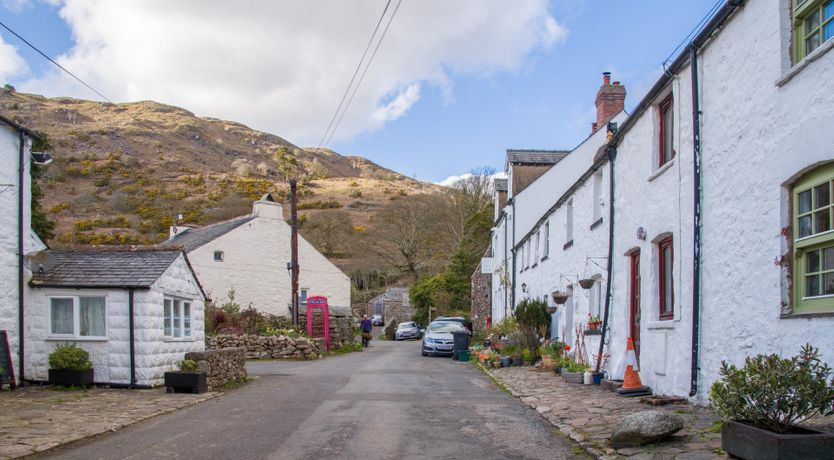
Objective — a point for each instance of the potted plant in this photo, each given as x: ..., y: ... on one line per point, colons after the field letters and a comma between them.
x: 559, y: 297
x: 189, y: 379
x: 528, y: 356
x: 70, y: 365
x: 574, y: 372
x: 763, y: 402
x: 587, y: 283
x: 593, y: 322
x: 551, y: 354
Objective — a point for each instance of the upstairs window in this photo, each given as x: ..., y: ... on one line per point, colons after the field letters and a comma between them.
x: 665, y: 132
x: 546, y: 242
x: 813, y: 25
x: 813, y: 223
x: 597, y: 204
x: 664, y: 276
x: 536, y: 250
x: 218, y: 256
x: 569, y: 223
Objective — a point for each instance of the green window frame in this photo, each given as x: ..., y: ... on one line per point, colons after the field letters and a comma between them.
x: 813, y: 25
x: 813, y: 245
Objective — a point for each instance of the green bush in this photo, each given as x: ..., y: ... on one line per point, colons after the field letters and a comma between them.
x: 68, y: 356
x: 774, y: 393
x: 189, y: 366
x: 533, y: 321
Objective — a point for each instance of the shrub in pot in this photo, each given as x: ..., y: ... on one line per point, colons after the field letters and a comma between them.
x: 189, y: 379
x: 573, y: 372
x: 763, y: 402
x: 70, y: 365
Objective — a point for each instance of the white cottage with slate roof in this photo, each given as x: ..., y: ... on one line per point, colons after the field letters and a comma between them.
x: 250, y: 255
x: 136, y: 312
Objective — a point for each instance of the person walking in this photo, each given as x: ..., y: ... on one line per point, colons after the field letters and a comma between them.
x: 366, y: 327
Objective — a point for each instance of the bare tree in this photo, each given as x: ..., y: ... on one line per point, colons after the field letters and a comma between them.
x: 328, y: 230
x: 467, y: 210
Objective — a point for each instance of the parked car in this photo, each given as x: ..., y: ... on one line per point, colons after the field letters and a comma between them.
x: 376, y: 320
x: 438, y: 339
x: 407, y: 330
x: 456, y: 319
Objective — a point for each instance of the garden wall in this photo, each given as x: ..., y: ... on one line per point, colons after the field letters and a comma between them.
x: 272, y: 347
x: 341, y: 326
x: 221, y: 366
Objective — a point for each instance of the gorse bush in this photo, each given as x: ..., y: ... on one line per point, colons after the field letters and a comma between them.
x: 69, y: 357
x: 772, y: 392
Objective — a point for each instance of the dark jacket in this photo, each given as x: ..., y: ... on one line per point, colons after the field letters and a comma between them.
x: 366, y: 325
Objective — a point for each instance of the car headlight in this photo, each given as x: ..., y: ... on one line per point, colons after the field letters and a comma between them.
x: 429, y: 340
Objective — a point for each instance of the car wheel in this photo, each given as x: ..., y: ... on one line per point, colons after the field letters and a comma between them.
x: 425, y: 354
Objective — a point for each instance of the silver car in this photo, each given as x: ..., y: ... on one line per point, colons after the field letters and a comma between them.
x: 407, y: 330
x: 438, y: 339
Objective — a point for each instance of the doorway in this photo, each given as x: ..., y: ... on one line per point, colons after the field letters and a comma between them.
x: 634, y: 303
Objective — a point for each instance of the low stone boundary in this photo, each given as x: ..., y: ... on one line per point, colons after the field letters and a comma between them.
x: 272, y: 347
x: 221, y: 366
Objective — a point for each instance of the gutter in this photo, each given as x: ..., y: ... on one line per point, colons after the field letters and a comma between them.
x: 20, y: 266
x: 612, y: 154
x: 131, y: 328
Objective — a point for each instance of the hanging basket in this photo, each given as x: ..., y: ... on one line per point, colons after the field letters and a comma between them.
x: 551, y: 310
x: 560, y: 297
x: 587, y: 283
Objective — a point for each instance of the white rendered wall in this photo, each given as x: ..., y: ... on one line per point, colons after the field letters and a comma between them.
x: 255, y: 264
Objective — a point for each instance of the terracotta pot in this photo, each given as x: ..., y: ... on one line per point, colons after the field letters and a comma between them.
x: 593, y: 326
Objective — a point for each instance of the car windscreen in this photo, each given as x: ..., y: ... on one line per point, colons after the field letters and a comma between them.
x: 445, y: 327
x: 406, y: 325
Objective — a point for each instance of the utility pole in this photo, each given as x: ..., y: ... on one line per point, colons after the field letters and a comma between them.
x: 294, y: 248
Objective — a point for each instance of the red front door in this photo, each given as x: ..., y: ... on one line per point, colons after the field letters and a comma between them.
x: 634, y: 320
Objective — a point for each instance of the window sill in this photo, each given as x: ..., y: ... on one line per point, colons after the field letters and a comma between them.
x: 535, y: 265
x: 662, y: 324
x: 805, y: 62
x: 545, y: 258
x: 820, y: 314
x: 567, y: 245
x: 76, y: 339
x: 597, y: 223
x: 178, y: 339
x: 659, y: 172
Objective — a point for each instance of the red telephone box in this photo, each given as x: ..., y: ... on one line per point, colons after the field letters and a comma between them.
x: 318, y: 319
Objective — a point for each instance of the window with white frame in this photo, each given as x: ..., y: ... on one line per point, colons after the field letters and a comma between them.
x: 569, y: 221
x: 302, y: 298
x: 595, y: 297
x: 78, y: 316
x: 546, y: 242
x: 597, y: 204
x: 177, y: 318
x: 536, y: 250
x: 218, y: 256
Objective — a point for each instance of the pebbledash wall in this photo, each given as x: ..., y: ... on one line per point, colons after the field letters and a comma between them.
x: 155, y: 354
x: 9, y: 153
x: 255, y: 257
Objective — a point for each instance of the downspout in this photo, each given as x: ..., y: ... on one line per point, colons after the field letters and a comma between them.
x: 20, y: 278
x: 696, y: 230
x: 132, y: 338
x: 612, y: 153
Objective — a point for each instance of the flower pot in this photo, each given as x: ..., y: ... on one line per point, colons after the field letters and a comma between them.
x: 746, y: 441
x: 559, y: 297
x: 586, y: 283
x: 517, y: 362
x: 547, y: 361
x: 506, y: 361
x: 593, y: 326
x: 186, y: 382
x: 69, y: 377
x: 598, y: 377
x: 573, y: 377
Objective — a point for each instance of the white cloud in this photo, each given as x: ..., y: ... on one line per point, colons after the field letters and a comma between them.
x: 15, y: 6
x: 11, y: 64
x: 283, y: 66
x: 452, y: 180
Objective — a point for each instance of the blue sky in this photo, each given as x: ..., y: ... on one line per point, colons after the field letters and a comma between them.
x: 464, y: 120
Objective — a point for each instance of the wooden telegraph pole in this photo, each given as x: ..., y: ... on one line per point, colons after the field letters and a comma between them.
x: 294, y: 248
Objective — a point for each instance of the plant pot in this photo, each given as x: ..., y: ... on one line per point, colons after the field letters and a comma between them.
x: 548, y: 361
x: 69, y: 377
x: 186, y: 382
x: 586, y: 283
x: 573, y: 377
x: 598, y: 377
x: 593, y: 326
x: 746, y: 441
x: 517, y: 362
x: 559, y: 297
x: 506, y: 361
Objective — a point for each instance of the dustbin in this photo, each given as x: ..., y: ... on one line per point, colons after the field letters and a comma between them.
x: 461, y: 342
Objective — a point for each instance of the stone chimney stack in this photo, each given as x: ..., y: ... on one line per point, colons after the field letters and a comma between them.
x: 610, y: 101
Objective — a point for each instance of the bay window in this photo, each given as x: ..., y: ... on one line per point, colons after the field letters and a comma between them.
x: 814, y: 241
x: 78, y: 317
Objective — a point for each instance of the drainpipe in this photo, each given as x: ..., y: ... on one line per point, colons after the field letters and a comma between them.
x: 612, y: 153
x: 696, y: 230
x: 132, y: 338
x: 20, y: 278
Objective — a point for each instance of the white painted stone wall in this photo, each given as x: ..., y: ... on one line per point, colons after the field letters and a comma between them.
x: 111, y: 356
x: 255, y: 265
x: 502, y: 268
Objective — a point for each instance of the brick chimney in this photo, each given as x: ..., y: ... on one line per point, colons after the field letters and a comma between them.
x: 610, y: 101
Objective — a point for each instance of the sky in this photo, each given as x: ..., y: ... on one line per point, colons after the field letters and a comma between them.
x: 453, y: 84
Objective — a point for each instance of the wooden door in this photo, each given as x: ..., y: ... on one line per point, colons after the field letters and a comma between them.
x: 634, y: 317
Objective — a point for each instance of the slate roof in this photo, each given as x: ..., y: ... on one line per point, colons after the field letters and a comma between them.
x: 97, y: 268
x: 193, y: 238
x: 501, y: 185
x: 535, y: 157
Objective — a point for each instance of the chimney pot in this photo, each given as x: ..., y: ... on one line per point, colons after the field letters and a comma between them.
x: 606, y: 78
x: 616, y: 83
x: 610, y: 100
x: 594, y: 126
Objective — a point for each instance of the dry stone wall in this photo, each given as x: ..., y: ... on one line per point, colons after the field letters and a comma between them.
x: 273, y: 347
x: 221, y: 366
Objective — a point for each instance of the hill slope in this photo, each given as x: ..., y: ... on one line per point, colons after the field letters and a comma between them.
x: 123, y: 173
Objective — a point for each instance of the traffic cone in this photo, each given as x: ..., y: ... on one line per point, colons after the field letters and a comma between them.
x: 632, y: 386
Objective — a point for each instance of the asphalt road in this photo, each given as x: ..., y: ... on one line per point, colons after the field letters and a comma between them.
x: 386, y: 402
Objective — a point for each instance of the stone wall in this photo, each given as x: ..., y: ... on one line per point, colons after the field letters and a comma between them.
x: 221, y: 366
x: 274, y: 347
x: 481, y: 289
x: 341, y: 326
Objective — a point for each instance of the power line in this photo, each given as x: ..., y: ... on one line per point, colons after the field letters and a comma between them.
x: 355, y: 72
x: 694, y: 31
x: 367, y: 66
x: 53, y: 61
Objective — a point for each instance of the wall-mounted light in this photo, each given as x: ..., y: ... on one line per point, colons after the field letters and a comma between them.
x: 523, y: 287
x: 641, y: 233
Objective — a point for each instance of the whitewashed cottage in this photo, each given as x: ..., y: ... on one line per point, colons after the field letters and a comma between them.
x: 136, y: 312
x: 250, y: 255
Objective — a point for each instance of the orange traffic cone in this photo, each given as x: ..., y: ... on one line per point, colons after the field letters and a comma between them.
x: 632, y: 386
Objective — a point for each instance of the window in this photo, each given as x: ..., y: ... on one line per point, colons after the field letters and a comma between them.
x: 595, y: 298
x: 666, y: 136
x: 78, y: 317
x: 218, y: 256
x: 177, y: 318
x: 536, y: 250
x: 302, y: 298
x: 814, y: 243
x: 665, y: 258
x: 569, y: 222
x: 597, y: 204
x: 546, y: 242
x: 813, y: 26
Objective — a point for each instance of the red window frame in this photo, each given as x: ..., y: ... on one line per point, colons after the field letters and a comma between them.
x: 664, y: 156
x: 666, y: 311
